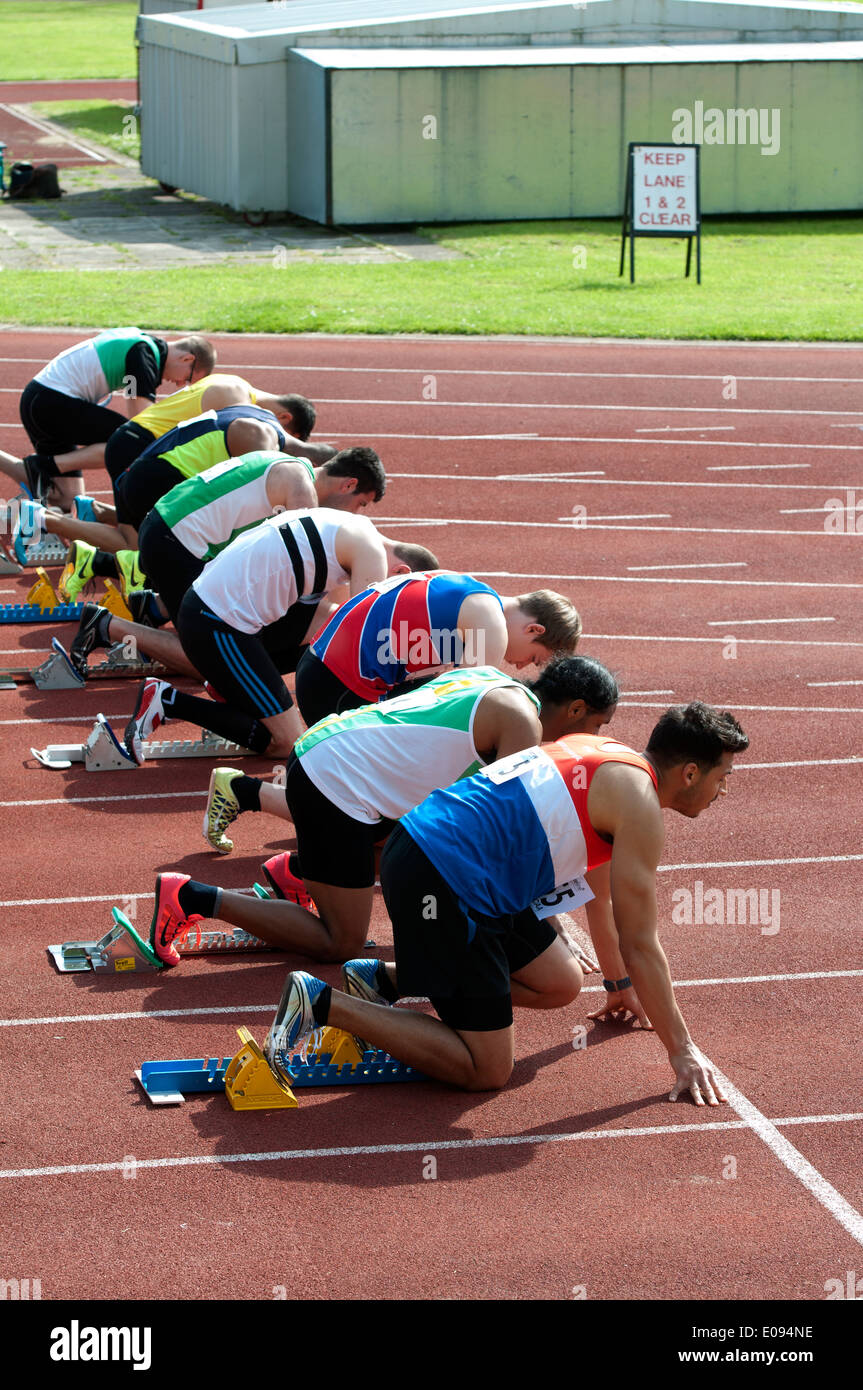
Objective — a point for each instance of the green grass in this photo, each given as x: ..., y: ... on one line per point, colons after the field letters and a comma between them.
x: 787, y: 278
x: 109, y: 123
x: 67, y: 39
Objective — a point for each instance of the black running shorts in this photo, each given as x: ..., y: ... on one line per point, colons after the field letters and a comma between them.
x: 57, y: 424
x: 461, y: 963
x: 333, y: 848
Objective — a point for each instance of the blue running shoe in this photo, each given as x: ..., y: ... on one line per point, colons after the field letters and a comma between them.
x: 360, y: 978
x: 84, y: 509
x: 294, y: 1019
x: 28, y: 529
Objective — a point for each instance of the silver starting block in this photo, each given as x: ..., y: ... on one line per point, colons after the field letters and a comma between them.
x: 103, y: 752
x: 56, y: 672
x: 122, y: 949
x: 50, y: 550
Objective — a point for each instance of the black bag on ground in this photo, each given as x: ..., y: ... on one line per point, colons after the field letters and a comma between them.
x: 34, y: 181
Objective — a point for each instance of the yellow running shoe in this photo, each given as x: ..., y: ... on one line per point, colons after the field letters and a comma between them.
x: 78, y: 571
x: 130, y: 572
x: 222, y: 809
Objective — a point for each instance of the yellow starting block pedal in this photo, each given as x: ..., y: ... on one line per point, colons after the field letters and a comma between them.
x: 42, y: 593
x: 341, y: 1047
x: 114, y: 601
x: 251, y: 1084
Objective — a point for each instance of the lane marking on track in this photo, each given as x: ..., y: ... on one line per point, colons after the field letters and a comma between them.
x: 805, y: 1172
x: 823, y: 683
x: 84, y: 800
x: 660, y: 579
x: 759, y: 863
x: 160, y: 796
x: 354, y: 436
x: 634, y: 637
x: 701, y: 565
x: 751, y: 467
x: 765, y: 709
x: 680, y: 429
x: 598, y: 406
x: 577, y: 524
x: 501, y: 1141
x: 477, y: 371
x: 143, y: 1015
x: 64, y: 719
x: 602, y: 480
x: 756, y: 622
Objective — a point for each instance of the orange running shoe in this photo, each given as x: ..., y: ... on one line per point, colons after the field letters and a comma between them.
x: 169, y: 921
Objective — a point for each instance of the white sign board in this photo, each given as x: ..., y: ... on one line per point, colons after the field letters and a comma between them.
x: 664, y: 190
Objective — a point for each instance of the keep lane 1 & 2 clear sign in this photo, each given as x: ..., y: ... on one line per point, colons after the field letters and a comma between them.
x: 662, y: 198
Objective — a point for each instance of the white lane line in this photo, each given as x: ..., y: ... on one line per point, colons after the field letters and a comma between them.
x: 438, y: 1145
x: 144, y: 1015
x: 702, y: 565
x: 805, y: 1172
x: 355, y: 436
x: 801, y: 762
x: 648, y: 692
x: 608, y: 439
x: 752, y: 467
x: 61, y: 139
x: 680, y: 429
x: 760, y: 863
x: 579, y: 524
x: 199, y: 792
x: 491, y: 371
x: 741, y: 641
x: 823, y: 683
x: 65, y: 719
x: 465, y: 371
x: 764, y: 709
x: 807, y: 511
x: 621, y: 482
x: 758, y: 622
x: 84, y: 800
x: 579, y: 405
x: 660, y: 579
x: 624, y: 516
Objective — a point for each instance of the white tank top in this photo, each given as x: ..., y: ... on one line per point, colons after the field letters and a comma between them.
x: 290, y: 558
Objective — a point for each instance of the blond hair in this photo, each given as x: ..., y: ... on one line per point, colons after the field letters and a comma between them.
x: 558, y: 616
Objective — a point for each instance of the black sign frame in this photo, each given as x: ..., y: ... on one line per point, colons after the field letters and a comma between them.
x: 628, y: 228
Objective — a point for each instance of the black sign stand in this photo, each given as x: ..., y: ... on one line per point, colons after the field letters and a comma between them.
x: 628, y: 228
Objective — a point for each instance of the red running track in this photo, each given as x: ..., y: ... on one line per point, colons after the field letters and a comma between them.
x: 25, y: 138
x: 698, y: 475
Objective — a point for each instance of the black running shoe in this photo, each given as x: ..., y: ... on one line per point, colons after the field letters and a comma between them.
x: 92, y: 632
x: 139, y: 602
x: 40, y: 470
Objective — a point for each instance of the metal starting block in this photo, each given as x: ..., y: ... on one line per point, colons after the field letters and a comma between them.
x: 121, y: 948
x: 103, y: 752
x: 250, y: 1083
x: 56, y: 672
x: 8, y: 563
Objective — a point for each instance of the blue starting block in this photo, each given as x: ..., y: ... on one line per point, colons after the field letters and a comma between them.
x: 32, y: 613
x: 168, y: 1083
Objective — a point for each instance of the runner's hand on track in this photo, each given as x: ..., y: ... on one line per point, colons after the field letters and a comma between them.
x: 695, y: 1075
x: 623, y: 1006
x: 588, y: 965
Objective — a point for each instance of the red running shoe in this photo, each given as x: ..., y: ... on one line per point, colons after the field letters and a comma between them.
x: 169, y: 921
x: 285, y: 884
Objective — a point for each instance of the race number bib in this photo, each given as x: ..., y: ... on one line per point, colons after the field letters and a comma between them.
x: 566, y: 898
